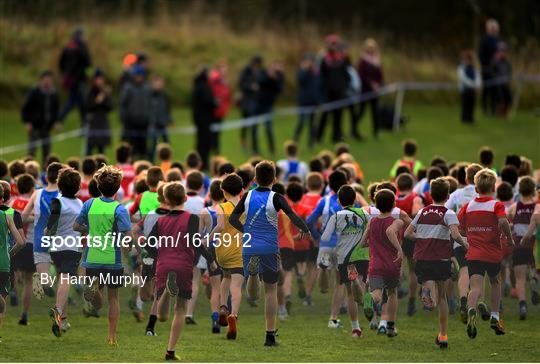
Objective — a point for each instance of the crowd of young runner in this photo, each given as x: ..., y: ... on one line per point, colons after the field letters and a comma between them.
x: 261, y: 226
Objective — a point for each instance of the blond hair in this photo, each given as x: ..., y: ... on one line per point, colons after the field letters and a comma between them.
x: 485, y: 180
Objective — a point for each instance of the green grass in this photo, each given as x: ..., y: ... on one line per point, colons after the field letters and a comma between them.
x: 304, y: 337
x: 436, y: 128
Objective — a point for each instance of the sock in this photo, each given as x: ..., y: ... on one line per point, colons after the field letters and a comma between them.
x: 139, y: 303
x: 151, y: 322
x: 215, y: 316
x: 443, y: 337
x: 190, y: 316
x: 463, y: 301
x: 382, y: 323
x: 355, y: 325
x: 495, y: 315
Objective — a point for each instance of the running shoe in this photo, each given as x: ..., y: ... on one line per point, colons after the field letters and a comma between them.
x: 427, y: 301
x: 391, y: 331
x: 301, y: 288
x: 56, y: 319
x: 497, y: 326
x: 171, y: 286
x: 112, y: 343
x: 190, y: 320
x: 90, y: 292
x: 522, y: 310
x: 368, y: 307
x: 535, y: 291
x: 411, y: 307
x: 150, y: 332
x: 334, y: 324
x: 382, y: 330
x: 484, y: 311
x: 356, y: 333
x: 271, y: 339
x: 37, y: 288
x: 253, y: 265
x: 171, y: 357
x: 232, y: 330
x: 471, y: 323
x: 223, y: 313
x: 441, y: 342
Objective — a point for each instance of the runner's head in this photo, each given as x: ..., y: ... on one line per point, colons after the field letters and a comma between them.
x: 108, y: 180
x: 484, y: 181
x: 294, y: 191
x: 52, y: 172
x: 216, y: 194
x: 69, y: 182
x: 346, y: 196
x: 439, y: 190
x: 336, y: 179
x: 153, y: 177
x: 265, y: 173
x: 25, y: 184
x: 385, y: 200
x: 175, y: 194
x: 232, y: 185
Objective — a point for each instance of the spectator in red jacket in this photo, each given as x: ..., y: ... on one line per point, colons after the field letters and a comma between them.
x: 222, y: 95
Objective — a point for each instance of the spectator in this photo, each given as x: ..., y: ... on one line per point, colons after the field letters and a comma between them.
x: 74, y: 61
x: 270, y: 86
x: 160, y: 115
x: 334, y: 82
x: 502, y: 73
x: 135, y: 112
x: 486, y: 52
x: 39, y: 113
x: 468, y: 81
x: 353, y: 90
x: 371, y: 74
x: 308, y: 97
x: 222, y: 94
x: 203, y: 106
x: 127, y: 66
x: 249, y: 87
x: 98, y: 105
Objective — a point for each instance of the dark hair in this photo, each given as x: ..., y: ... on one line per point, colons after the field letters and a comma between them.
x: 346, y: 195
x: 108, y: 180
x: 341, y: 148
x: 142, y: 166
x: 453, y: 184
x: 247, y: 176
x: 51, y: 158
x: 74, y: 162
x: 437, y: 160
x: 386, y: 185
x: 52, y: 172
x: 439, y: 189
x: 141, y: 186
x: 194, y: 180
x: 402, y: 169
x: 265, y: 173
x: 216, y: 194
x: 291, y: 148
x: 89, y: 166
x: 278, y: 187
x: 178, y: 165
x: 16, y: 168
x: 385, y: 200
x: 295, y: 178
x: 526, y: 186
x: 316, y: 165
x: 486, y: 156
x: 69, y: 182
x: 123, y: 153
x: 6, y: 195
x: 462, y: 175
x: 336, y: 179
x: 93, y: 188
x: 101, y: 160
x: 433, y: 173
x: 421, y: 174
x: 444, y: 168
x: 409, y: 147
x: 193, y: 160
x: 294, y: 191
x: 164, y: 151
x: 153, y: 176
x: 225, y: 168
x: 3, y: 168
x: 174, y: 193
x: 345, y: 171
x: 25, y: 183
x: 505, y: 192
x: 405, y: 182
x: 372, y: 189
x: 514, y: 160
x: 509, y: 174
x: 232, y: 184
x: 174, y: 174
x: 314, y: 181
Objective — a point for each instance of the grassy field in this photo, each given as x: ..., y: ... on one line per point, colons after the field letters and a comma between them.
x: 436, y: 128
x: 304, y: 337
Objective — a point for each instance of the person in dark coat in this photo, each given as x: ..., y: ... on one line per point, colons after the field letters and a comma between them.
x: 486, y: 51
x: 249, y: 87
x: 334, y: 83
x: 98, y: 105
x: 371, y: 75
x: 160, y: 115
x: 308, y: 96
x: 74, y: 61
x: 135, y: 112
x: 270, y: 86
x: 502, y: 72
x: 203, y: 106
x: 468, y: 81
x: 39, y: 113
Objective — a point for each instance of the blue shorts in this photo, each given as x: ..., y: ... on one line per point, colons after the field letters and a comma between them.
x: 269, y: 265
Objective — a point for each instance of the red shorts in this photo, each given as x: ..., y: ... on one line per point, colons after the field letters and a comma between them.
x: 184, y: 277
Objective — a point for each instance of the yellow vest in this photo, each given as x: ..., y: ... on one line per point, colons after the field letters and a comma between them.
x: 229, y: 246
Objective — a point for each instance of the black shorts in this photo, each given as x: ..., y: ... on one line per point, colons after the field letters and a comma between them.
x: 459, y: 253
x: 106, y: 277
x: 23, y: 261
x: 361, y: 267
x: 301, y: 255
x: 408, y: 247
x: 523, y: 256
x: 66, y: 261
x: 5, y: 285
x: 288, y: 261
x: 481, y: 268
x: 229, y: 271
x: 313, y: 254
x: 433, y: 270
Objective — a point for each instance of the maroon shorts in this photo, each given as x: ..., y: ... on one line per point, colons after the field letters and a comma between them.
x: 184, y: 277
